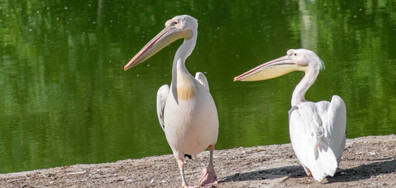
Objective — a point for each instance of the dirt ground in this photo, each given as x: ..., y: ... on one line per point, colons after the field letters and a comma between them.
x: 366, y: 162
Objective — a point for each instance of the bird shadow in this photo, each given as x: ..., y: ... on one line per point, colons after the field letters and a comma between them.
x: 272, y: 173
x: 365, y: 171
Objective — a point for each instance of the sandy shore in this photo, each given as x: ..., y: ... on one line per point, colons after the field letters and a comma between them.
x: 366, y: 162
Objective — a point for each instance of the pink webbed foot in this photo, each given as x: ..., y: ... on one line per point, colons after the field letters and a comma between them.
x: 208, y: 177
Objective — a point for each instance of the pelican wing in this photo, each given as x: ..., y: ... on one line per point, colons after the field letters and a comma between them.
x: 162, y: 95
x: 333, y: 115
x: 308, y: 138
x: 201, y: 78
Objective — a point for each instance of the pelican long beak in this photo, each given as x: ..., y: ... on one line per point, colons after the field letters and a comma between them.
x: 168, y: 35
x: 271, y: 69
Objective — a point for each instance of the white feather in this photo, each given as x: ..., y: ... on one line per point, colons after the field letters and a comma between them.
x: 317, y: 134
x: 191, y: 125
x: 162, y: 95
x: 201, y: 78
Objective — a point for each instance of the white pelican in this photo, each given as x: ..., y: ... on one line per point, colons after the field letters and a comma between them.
x: 317, y: 130
x: 186, y: 110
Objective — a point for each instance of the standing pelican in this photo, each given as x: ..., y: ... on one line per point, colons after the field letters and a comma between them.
x: 186, y: 110
x: 317, y: 130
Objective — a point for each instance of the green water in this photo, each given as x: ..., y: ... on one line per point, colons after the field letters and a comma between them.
x: 65, y: 99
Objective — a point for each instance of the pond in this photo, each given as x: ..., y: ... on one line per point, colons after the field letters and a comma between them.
x: 65, y: 99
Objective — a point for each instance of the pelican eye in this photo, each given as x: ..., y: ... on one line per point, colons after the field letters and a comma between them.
x: 295, y: 54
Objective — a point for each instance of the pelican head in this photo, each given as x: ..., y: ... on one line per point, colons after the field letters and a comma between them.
x: 176, y: 28
x: 294, y: 60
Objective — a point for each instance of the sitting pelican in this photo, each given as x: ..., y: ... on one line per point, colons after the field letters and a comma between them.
x: 186, y: 110
x: 317, y: 130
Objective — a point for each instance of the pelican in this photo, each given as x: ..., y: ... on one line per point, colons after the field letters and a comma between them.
x: 317, y: 130
x: 186, y: 110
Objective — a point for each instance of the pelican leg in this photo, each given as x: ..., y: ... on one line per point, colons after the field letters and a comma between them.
x: 208, y: 175
x: 307, y: 171
x: 180, y: 162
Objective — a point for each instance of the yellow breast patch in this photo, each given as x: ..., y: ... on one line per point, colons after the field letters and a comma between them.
x: 185, y: 92
x: 185, y: 83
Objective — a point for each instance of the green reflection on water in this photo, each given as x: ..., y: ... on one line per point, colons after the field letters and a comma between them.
x: 65, y: 99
